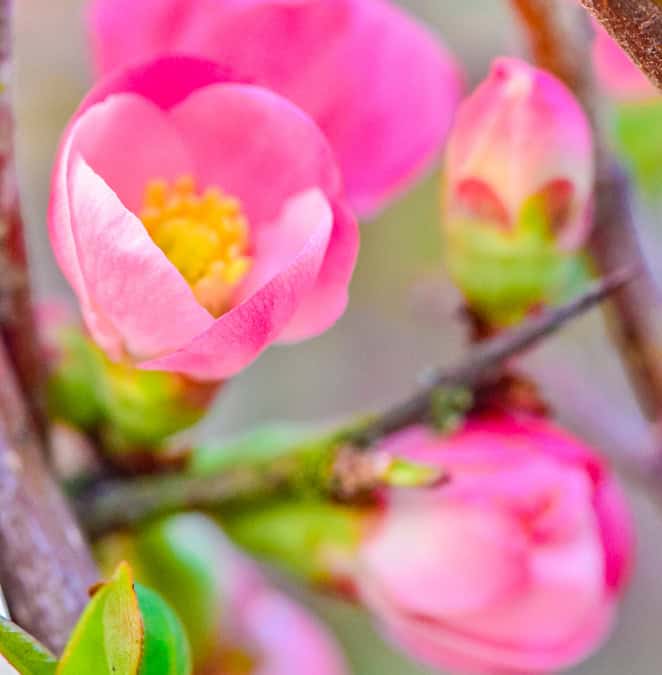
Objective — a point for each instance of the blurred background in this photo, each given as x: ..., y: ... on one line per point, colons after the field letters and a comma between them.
x: 403, y: 316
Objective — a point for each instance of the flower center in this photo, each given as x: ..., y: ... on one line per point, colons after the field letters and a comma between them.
x: 205, y: 236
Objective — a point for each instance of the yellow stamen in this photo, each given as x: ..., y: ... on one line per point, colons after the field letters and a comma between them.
x: 205, y: 236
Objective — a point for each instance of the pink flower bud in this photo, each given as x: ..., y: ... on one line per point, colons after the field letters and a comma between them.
x: 191, y: 243
x: 616, y: 71
x: 518, y: 184
x: 515, y: 565
x: 347, y: 63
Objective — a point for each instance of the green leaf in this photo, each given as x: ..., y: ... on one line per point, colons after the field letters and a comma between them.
x: 166, y: 648
x: 24, y: 652
x: 108, y: 639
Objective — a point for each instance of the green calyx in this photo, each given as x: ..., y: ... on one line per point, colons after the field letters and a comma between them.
x: 506, y: 273
x: 311, y: 539
x: 130, y: 409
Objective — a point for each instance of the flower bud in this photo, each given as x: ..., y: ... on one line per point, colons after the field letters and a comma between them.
x: 515, y: 565
x: 517, y: 192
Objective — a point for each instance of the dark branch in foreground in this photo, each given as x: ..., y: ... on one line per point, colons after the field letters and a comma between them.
x: 126, y: 503
x: 45, y: 565
x: 637, y: 26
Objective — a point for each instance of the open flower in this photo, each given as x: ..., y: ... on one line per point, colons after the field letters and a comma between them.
x: 516, y: 565
x: 347, y: 63
x: 517, y: 195
x: 198, y: 220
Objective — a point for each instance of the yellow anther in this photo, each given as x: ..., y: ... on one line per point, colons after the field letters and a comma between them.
x: 206, y: 237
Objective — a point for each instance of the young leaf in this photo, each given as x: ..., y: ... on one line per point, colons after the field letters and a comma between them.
x: 166, y: 648
x: 24, y: 652
x: 108, y: 639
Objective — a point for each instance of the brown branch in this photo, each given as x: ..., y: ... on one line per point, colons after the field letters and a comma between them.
x: 558, y: 34
x: 45, y: 565
x: 17, y: 324
x: 637, y: 26
x: 322, y: 464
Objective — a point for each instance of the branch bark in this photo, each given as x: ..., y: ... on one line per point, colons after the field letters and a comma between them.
x: 559, y: 37
x: 127, y: 503
x: 17, y: 324
x: 45, y: 565
x: 637, y: 27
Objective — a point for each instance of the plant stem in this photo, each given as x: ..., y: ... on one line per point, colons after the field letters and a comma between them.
x: 558, y: 34
x: 45, y: 565
x: 322, y: 465
x: 17, y: 324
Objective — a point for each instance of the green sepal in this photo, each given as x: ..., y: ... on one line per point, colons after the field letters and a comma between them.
x: 108, y: 639
x: 73, y: 384
x: 23, y: 652
x: 505, y: 274
x: 166, y: 650
x: 308, y: 538
x: 143, y: 408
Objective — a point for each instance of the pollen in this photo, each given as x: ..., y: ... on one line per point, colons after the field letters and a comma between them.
x: 205, y: 235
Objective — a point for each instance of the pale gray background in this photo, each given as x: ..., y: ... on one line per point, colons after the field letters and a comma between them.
x: 400, y: 318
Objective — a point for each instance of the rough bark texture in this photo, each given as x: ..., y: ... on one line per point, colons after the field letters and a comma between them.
x: 560, y: 42
x: 637, y: 26
x: 16, y: 317
x: 45, y: 565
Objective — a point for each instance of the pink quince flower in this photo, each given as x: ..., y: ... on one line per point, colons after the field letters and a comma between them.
x: 198, y: 219
x: 380, y: 85
x: 514, y: 566
x: 521, y: 135
x: 616, y: 71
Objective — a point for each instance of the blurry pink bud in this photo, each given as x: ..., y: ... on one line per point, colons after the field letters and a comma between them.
x: 517, y: 195
x: 344, y: 62
x: 516, y: 565
x: 519, y: 135
x: 616, y: 71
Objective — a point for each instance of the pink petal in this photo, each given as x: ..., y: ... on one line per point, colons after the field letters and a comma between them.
x: 143, y: 296
x: 237, y: 338
x: 444, y: 560
x: 264, y: 149
x: 128, y: 141
x: 328, y: 298
x: 519, y: 130
x: 345, y: 62
x: 289, y: 639
x: 165, y: 81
